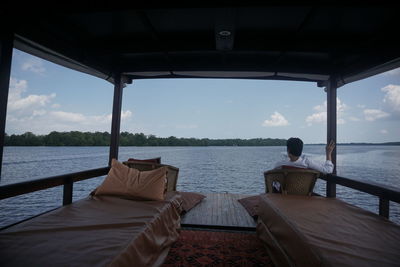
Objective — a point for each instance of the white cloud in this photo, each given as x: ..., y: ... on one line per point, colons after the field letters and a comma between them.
x: 34, y: 65
x: 25, y: 104
x: 68, y: 116
x: 383, y: 131
x: 30, y: 101
x: 125, y: 114
x: 360, y: 106
x: 374, y: 114
x: 392, y: 97
x: 316, y: 118
x: 36, y: 113
x: 339, y: 106
x: 87, y: 120
x: 320, y: 116
x: 276, y: 120
x: 321, y: 108
x: 43, y: 122
x: 17, y: 87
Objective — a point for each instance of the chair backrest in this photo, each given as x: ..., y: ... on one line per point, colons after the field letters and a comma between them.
x: 172, y: 172
x: 153, y: 160
x: 293, y: 182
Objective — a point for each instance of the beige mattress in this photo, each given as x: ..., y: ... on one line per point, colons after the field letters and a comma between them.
x: 318, y: 231
x: 99, y: 231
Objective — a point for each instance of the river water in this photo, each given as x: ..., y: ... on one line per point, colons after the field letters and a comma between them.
x: 201, y: 169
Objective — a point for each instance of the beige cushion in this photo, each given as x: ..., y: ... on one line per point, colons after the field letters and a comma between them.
x: 190, y: 199
x: 132, y: 183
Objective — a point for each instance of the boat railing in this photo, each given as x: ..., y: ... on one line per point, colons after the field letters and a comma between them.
x: 67, y: 180
x: 383, y: 192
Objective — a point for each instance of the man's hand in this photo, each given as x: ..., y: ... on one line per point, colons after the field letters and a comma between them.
x: 329, y: 148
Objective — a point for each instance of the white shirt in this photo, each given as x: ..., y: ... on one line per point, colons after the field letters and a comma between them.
x: 305, y: 162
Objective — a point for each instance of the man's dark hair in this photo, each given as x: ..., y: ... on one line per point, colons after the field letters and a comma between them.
x: 294, y: 146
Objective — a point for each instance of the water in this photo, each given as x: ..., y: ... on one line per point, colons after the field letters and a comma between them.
x: 202, y: 169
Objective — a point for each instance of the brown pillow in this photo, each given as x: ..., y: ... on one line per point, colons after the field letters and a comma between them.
x: 132, y: 183
x: 251, y: 205
x: 190, y: 199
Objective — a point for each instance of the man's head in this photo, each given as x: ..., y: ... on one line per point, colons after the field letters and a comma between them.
x: 294, y: 146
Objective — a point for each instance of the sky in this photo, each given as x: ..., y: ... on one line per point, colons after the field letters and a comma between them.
x: 45, y: 97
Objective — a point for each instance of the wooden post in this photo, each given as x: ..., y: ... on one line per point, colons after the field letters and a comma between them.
x: 331, y: 129
x: 384, y: 207
x: 67, y: 192
x: 116, y: 118
x: 6, y: 49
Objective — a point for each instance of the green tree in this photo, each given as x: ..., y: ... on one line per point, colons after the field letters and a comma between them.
x: 76, y: 138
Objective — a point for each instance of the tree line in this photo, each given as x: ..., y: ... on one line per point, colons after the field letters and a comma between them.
x: 76, y: 138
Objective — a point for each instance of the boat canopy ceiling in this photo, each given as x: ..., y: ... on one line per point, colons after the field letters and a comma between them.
x: 277, y: 42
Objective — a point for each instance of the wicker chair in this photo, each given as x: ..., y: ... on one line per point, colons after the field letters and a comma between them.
x: 172, y: 173
x: 293, y: 182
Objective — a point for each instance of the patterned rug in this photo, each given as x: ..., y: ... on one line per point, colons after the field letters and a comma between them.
x: 206, y: 248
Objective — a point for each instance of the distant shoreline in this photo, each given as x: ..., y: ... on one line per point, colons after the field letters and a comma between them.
x: 76, y: 138
x: 362, y: 144
x: 352, y: 144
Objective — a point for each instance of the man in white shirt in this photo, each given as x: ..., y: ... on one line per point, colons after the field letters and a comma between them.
x: 295, y: 159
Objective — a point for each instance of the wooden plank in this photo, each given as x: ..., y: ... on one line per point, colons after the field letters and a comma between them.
x: 235, y: 213
x: 239, y: 208
x: 219, y: 210
x: 213, y: 219
x: 222, y: 209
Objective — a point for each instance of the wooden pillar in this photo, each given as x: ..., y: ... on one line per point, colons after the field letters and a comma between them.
x: 6, y: 49
x: 331, y: 128
x: 68, y: 190
x: 384, y: 207
x: 116, y: 118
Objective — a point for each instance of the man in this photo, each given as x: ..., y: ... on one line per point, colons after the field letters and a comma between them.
x: 294, y: 149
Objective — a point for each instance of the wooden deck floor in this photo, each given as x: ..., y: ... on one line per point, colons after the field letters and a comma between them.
x: 219, y: 210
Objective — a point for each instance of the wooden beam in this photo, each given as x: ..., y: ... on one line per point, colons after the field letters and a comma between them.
x: 250, y: 40
x: 6, y: 49
x: 385, y: 193
x: 361, y: 71
x: 210, y: 62
x: 331, y: 128
x: 375, y: 189
x: 116, y: 118
x: 11, y: 190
